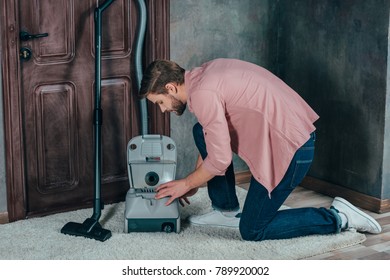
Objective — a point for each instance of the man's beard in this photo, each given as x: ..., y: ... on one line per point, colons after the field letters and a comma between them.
x: 178, y: 107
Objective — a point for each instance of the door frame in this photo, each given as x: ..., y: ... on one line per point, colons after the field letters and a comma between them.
x: 156, y: 47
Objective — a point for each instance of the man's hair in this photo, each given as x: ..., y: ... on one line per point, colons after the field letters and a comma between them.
x: 158, y: 74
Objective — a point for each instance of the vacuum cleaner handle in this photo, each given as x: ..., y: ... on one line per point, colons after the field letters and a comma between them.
x: 139, y: 40
x: 105, y: 5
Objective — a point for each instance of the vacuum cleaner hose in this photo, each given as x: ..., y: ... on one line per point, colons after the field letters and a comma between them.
x: 139, y: 42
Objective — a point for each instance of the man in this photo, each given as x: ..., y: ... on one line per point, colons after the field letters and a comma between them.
x: 245, y: 109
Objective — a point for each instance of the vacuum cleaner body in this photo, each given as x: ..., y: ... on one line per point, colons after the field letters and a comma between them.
x: 151, y: 161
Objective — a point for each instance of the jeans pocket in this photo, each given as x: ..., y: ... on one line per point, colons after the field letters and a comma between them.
x: 301, y: 168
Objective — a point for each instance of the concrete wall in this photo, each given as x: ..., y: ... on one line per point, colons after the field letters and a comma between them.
x: 386, y: 152
x: 335, y: 54
x: 207, y: 29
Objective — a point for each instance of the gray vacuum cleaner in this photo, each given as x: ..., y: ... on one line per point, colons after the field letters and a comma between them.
x: 151, y: 161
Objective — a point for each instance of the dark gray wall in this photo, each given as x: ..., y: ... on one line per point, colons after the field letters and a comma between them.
x: 386, y: 144
x: 335, y: 54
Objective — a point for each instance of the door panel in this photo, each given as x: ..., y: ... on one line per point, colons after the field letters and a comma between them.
x: 116, y: 114
x: 58, y: 97
x: 56, y: 138
x: 55, y: 17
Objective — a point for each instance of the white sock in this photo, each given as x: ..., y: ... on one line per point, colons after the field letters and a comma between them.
x: 230, y: 213
x: 344, y: 220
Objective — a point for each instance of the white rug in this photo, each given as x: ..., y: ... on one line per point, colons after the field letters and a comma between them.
x: 40, y: 238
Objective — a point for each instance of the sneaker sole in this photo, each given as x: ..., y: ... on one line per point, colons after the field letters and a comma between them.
x: 212, y: 225
x: 372, y: 221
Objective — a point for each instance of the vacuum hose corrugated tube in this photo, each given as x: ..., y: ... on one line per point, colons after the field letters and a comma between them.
x: 139, y: 42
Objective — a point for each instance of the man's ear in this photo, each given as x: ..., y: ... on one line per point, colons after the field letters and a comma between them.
x: 171, y: 88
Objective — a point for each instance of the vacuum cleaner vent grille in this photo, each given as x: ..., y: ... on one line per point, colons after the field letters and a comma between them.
x: 146, y: 190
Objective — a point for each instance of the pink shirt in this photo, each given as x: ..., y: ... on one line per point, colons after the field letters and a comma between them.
x: 245, y: 109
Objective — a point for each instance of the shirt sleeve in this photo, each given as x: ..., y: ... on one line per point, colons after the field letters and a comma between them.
x: 210, y: 112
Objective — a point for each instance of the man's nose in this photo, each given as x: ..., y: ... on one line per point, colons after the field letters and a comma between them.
x: 162, y: 108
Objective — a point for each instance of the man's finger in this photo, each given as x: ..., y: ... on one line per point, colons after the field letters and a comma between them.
x: 170, y: 200
x: 162, y: 193
x: 162, y: 186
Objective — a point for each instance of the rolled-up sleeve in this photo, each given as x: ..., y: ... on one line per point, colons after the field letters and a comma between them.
x: 211, y: 115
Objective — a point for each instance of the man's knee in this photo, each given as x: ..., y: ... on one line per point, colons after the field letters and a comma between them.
x: 249, y: 234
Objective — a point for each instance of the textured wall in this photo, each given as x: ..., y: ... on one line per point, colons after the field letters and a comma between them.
x: 386, y: 153
x: 335, y: 54
x: 208, y: 29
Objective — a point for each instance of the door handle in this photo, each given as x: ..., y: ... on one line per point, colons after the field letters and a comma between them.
x: 25, y: 36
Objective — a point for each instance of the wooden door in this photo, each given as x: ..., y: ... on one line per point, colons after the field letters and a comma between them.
x: 56, y: 101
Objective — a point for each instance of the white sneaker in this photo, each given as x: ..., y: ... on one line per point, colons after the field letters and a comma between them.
x: 217, y: 219
x: 356, y: 219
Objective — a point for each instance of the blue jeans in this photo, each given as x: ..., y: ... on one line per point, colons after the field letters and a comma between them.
x: 260, y: 218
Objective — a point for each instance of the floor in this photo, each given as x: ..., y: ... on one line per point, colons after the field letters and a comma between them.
x: 376, y: 247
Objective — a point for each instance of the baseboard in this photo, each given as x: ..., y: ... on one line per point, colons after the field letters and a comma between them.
x: 243, y: 177
x: 361, y: 200
x: 4, y: 218
x: 364, y: 201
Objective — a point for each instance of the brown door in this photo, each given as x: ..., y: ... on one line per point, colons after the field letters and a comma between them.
x: 57, y: 90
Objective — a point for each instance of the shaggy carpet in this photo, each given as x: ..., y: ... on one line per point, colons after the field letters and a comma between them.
x: 40, y: 239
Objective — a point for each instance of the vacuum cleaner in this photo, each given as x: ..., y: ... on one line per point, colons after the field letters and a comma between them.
x: 151, y: 160
x: 91, y: 227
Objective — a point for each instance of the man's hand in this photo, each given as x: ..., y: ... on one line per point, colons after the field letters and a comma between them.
x: 180, y: 188
x: 173, y: 189
x: 185, y: 197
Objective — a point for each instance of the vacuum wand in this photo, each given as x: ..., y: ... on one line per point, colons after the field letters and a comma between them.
x: 98, y: 112
x: 91, y: 227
